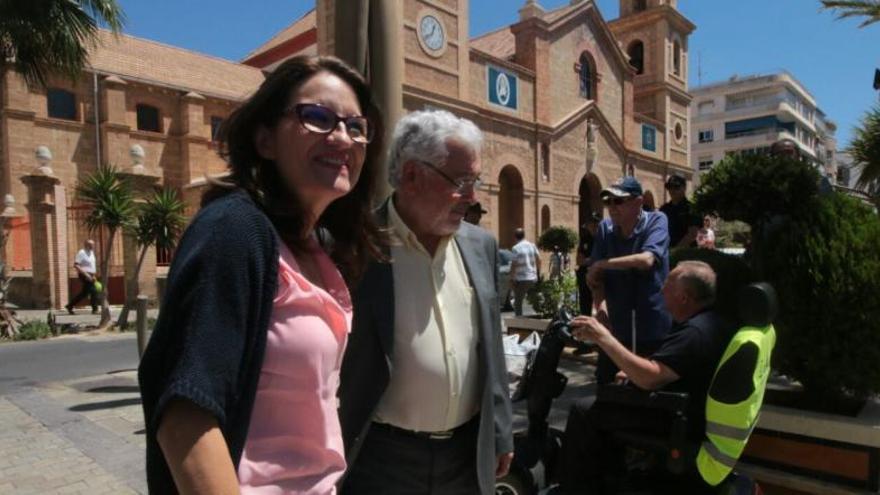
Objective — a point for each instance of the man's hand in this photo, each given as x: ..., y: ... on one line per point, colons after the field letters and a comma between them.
x: 595, y: 274
x: 589, y: 329
x: 621, y: 378
x: 503, y: 465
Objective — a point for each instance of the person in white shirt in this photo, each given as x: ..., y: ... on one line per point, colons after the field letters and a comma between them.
x: 85, y: 264
x: 525, y: 269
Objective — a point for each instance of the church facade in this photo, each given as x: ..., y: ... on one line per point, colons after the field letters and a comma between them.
x: 568, y: 102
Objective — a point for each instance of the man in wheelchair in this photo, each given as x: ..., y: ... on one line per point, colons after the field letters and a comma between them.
x: 697, y: 354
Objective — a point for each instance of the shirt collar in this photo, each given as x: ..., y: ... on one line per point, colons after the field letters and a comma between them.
x: 402, y: 235
x: 640, y: 226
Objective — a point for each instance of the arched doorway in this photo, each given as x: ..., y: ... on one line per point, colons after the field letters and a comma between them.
x: 510, y: 204
x: 588, y: 192
x: 648, y: 203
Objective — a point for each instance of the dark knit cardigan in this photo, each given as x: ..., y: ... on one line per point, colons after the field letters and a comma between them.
x: 210, y: 338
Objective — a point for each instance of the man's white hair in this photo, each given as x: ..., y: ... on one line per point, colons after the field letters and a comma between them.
x: 422, y: 136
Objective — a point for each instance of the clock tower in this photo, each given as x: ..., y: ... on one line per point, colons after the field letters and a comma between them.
x: 435, y: 41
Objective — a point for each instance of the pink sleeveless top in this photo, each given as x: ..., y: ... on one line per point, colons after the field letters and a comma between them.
x: 294, y: 443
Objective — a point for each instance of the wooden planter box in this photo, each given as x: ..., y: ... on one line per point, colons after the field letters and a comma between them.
x: 813, y: 452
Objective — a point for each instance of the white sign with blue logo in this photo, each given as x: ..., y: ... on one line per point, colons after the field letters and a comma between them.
x: 649, y: 137
x: 502, y: 87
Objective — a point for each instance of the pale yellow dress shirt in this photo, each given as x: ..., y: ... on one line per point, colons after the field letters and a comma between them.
x: 434, y: 383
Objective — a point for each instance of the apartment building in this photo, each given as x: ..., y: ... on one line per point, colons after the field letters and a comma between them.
x: 745, y: 115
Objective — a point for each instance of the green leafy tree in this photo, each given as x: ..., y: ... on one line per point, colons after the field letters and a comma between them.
x: 38, y: 37
x: 160, y: 222
x: 548, y: 296
x: 869, y: 9
x: 112, y: 207
x: 865, y: 151
x: 562, y: 237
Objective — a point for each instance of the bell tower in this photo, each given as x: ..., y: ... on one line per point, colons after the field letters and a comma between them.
x: 436, y: 46
x: 654, y: 34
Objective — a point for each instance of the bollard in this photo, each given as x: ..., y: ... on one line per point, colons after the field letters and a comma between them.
x: 141, y: 324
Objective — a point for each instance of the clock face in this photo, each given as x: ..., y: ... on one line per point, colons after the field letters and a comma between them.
x: 432, y: 33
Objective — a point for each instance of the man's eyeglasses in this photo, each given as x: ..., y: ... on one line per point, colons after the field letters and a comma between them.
x: 321, y: 120
x: 608, y: 201
x: 461, y: 185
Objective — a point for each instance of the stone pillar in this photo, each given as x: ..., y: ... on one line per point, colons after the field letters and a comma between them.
x: 47, y: 208
x: 115, y: 131
x: 195, y: 140
x: 142, y: 182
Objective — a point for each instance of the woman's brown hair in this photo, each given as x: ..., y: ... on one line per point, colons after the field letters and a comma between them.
x: 346, y: 228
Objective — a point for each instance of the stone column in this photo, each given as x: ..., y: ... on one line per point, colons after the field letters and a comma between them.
x: 115, y: 131
x: 142, y: 182
x: 47, y: 208
x: 195, y: 139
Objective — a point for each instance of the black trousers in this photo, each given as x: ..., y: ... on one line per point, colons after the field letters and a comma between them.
x: 87, y: 290
x: 585, y: 295
x: 396, y: 462
x: 591, y: 455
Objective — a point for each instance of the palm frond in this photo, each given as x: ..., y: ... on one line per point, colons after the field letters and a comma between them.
x: 109, y: 197
x: 865, y: 149
x: 53, y: 36
x: 870, y: 9
x: 161, y: 220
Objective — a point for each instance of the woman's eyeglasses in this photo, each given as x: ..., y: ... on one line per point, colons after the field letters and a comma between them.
x: 461, y: 185
x: 321, y: 120
x: 614, y: 201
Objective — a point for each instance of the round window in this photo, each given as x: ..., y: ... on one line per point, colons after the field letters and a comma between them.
x: 679, y: 132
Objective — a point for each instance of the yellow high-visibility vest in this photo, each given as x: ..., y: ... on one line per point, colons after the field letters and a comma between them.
x: 734, y: 401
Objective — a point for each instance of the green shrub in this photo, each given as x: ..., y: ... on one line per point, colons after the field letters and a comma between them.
x: 562, y: 237
x: 732, y: 273
x: 549, y: 295
x: 826, y: 268
x: 33, y: 330
x: 732, y: 233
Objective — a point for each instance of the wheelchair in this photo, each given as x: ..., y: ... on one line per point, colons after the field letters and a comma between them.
x: 655, y: 462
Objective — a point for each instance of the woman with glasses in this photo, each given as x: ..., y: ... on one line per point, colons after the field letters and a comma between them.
x: 239, y: 379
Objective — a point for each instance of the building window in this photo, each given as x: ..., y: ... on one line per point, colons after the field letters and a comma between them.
x: 706, y: 136
x: 678, y: 132
x: 545, y: 161
x: 148, y: 118
x: 216, y: 123
x: 636, y: 54
x: 676, y: 57
x: 705, y: 164
x: 587, y: 76
x: 545, y: 218
x: 640, y: 5
x: 649, y: 138
x: 61, y: 104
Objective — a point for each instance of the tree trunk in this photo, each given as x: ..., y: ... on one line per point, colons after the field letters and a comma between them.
x: 122, y: 322
x: 106, y: 318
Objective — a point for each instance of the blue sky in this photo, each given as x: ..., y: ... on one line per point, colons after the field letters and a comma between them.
x: 834, y: 59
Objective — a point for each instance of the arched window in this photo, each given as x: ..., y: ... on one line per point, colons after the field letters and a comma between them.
x: 676, y: 57
x: 587, y: 76
x: 636, y: 54
x: 640, y: 5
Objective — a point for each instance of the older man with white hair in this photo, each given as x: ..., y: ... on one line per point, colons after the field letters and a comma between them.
x: 423, y: 395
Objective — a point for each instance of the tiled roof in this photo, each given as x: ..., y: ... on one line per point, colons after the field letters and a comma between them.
x: 308, y: 21
x: 149, y: 61
x: 499, y: 43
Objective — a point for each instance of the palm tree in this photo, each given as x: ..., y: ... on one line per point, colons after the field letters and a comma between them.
x: 38, y: 37
x: 865, y: 151
x: 112, y: 207
x: 855, y: 8
x: 160, y: 221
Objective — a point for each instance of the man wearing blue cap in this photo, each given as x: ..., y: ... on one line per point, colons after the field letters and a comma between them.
x: 630, y: 262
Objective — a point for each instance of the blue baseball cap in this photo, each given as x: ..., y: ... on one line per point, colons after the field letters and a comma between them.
x: 625, y: 187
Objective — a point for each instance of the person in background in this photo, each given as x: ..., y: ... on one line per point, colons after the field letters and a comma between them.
x: 683, y: 222
x: 86, y: 267
x: 423, y: 397
x: 239, y: 379
x: 583, y: 260
x: 706, y: 235
x: 475, y: 213
x: 630, y: 261
x: 526, y: 268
